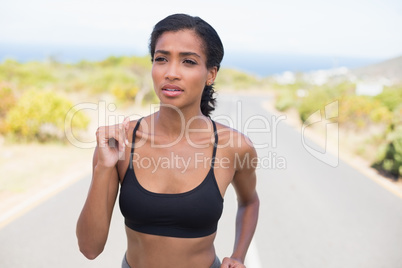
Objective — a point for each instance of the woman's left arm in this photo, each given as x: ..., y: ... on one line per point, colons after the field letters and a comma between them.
x: 244, y: 183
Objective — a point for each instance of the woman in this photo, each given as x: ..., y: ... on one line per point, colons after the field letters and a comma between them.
x: 176, y: 171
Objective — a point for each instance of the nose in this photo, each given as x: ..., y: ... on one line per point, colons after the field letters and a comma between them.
x: 172, y: 72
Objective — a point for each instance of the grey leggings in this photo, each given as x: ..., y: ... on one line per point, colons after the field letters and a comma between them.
x: 216, y: 264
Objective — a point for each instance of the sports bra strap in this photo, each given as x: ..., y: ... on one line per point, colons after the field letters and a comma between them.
x: 215, y: 144
x: 133, y: 140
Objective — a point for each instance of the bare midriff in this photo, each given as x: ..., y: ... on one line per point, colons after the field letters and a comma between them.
x: 153, y: 251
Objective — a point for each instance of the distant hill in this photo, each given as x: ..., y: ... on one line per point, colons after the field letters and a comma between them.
x: 390, y: 69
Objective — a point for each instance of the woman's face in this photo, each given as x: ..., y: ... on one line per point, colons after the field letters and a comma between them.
x: 179, y: 69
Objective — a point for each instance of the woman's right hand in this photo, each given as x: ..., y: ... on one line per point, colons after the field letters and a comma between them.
x: 112, y: 142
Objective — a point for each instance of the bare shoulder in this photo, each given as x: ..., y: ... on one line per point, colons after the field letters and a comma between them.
x: 233, y: 138
x: 236, y: 143
x: 238, y: 147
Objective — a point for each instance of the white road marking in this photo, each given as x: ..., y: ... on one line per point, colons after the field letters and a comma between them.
x: 41, y: 196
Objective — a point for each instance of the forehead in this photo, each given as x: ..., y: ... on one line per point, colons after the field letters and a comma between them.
x: 180, y: 41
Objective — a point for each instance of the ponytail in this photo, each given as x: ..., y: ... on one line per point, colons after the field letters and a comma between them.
x: 208, y: 100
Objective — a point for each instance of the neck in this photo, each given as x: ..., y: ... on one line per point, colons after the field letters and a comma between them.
x: 172, y: 121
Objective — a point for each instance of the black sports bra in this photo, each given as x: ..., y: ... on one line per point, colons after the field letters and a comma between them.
x: 191, y: 214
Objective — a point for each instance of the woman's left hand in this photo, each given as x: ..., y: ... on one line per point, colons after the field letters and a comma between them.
x: 232, y: 263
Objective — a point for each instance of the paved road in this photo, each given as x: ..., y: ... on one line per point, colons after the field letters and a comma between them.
x: 312, y: 215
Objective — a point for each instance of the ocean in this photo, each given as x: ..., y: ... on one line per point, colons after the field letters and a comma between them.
x: 260, y: 64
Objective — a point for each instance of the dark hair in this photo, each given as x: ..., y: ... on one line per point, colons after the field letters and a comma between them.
x: 211, y: 42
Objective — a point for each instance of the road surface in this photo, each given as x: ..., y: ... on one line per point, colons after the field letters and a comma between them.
x: 311, y: 214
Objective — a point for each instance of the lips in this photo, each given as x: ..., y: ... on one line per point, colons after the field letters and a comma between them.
x: 171, y: 90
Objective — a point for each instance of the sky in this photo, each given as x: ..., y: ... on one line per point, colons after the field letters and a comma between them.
x: 351, y: 28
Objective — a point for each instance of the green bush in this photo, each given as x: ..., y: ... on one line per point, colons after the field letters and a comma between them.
x: 105, y: 79
x: 354, y: 111
x: 235, y: 79
x: 150, y: 97
x: 360, y: 111
x: 319, y: 96
x: 285, y: 99
x: 40, y: 116
x: 390, y: 156
x: 390, y: 97
x: 7, y: 100
x: 8, y: 69
x: 315, y: 100
x: 113, y: 61
x: 124, y: 93
x: 28, y: 74
x: 298, y: 84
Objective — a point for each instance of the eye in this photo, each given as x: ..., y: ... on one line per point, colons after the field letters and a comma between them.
x: 191, y: 62
x: 160, y: 59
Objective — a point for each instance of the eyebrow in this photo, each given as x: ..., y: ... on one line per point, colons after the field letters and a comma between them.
x: 181, y: 53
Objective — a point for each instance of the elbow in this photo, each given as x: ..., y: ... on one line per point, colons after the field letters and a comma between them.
x: 253, y: 202
x: 91, y: 247
x: 251, y: 207
x: 90, y: 252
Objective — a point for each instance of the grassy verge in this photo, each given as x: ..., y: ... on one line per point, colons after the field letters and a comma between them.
x: 30, y: 168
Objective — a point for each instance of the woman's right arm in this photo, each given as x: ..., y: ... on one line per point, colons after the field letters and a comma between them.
x: 94, y: 221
